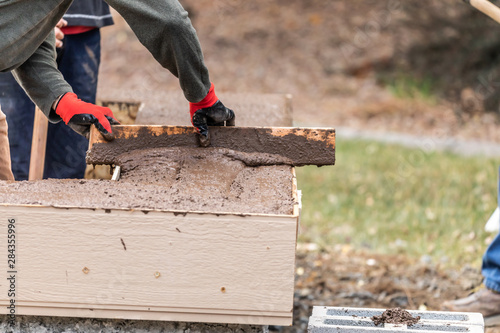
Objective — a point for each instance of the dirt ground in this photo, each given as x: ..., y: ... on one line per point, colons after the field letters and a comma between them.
x: 346, y: 277
x: 325, y: 53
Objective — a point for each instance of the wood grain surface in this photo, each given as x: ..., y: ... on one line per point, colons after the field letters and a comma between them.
x: 152, y: 265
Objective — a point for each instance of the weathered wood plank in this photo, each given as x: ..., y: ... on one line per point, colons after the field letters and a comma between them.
x: 38, y: 145
x: 152, y: 265
x: 296, y: 146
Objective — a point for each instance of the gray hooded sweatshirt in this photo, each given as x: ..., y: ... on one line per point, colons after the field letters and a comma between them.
x: 27, y: 45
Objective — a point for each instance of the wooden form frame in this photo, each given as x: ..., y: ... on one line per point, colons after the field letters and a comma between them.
x: 152, y: 265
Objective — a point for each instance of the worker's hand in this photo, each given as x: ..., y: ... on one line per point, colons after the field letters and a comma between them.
x: 80, y: 115
x: 216, y: 115
x: 209, y: 112
x: 59, y: 34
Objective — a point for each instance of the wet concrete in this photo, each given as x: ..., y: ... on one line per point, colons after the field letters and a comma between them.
x: 180, y: 179
x: 295, y: 147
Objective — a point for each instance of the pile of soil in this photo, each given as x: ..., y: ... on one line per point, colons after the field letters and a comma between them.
x: 395, y: 316
x: 180, y: 179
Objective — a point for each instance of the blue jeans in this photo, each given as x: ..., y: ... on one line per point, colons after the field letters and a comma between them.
x: 78, y: 61
x: 491, y: 260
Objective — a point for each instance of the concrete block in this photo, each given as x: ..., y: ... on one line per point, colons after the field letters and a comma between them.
x: 354, y: 320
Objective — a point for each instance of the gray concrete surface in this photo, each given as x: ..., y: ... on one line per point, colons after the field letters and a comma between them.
x: 32, y: 324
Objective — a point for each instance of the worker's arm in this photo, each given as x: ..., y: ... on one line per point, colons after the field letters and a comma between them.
x: 166, y: 31
x: 46, y: 86
x: 41, y: 79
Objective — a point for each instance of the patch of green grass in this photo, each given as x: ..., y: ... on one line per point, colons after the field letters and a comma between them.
x: 392, y: 199
x: 409, y: 87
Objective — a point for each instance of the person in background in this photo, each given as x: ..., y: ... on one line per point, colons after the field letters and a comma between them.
x: 487, y: 300
x: 78, y: 43
x: 162, y: 26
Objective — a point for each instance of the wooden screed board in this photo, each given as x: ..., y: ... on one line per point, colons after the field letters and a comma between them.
x: 295, y: 146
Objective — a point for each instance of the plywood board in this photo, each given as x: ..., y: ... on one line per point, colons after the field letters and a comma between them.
x: 152, y: 265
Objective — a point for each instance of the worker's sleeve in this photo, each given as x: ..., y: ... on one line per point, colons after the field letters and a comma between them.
x: 41, y: 79
x: 164, y: 28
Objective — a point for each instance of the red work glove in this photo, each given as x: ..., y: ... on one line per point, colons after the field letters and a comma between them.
x: 210, y: 112
x: 80, y: 115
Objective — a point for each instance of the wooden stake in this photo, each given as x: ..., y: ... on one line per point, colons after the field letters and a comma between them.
x: 487, y: 8
x: 38, y: 144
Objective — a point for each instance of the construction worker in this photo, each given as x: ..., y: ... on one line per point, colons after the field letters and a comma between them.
x: 78, y: 42
x: 27, y: 48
